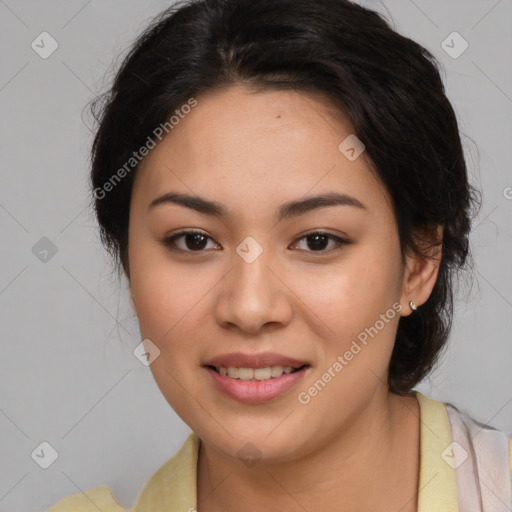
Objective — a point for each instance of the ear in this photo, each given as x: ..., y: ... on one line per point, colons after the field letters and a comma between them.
x: 420, y: 272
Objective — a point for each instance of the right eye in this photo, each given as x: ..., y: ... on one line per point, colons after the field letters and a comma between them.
x: 193, y: 241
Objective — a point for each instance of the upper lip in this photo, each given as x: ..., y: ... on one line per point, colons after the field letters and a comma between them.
x: 262, y: 360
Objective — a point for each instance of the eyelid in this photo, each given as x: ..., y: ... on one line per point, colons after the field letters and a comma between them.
x: 340, y: 241
x: 169, y: 241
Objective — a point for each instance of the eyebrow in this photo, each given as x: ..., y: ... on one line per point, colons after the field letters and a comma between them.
x: 286, y: 210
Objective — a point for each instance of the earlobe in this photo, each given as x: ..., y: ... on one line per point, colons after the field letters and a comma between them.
x: 419, y: 286
x: 421, y: 274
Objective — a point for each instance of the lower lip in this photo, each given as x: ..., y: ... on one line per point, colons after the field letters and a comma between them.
x: 256, y: 391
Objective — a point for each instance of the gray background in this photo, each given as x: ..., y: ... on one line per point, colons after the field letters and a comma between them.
x: 67, y: 372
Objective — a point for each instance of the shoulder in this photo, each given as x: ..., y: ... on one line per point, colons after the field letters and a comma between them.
x: 173, y: 484
x: 475, y: 457
x: 98, y: 498
x: 488, y: 448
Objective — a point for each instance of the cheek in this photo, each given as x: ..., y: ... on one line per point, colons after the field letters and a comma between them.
x: 354, y: 346
x: 165, y: 292
x: 168, y: 303
x: 352, y: 294
x: 357, y: 303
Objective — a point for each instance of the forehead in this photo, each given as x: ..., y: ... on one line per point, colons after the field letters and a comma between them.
x: 238, y: 144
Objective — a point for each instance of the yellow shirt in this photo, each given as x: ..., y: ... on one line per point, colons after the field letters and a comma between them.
x: 172, y: 488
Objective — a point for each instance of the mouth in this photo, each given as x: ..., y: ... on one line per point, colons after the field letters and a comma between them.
x: 256, y: 378
x: 258, y: 374
x: 261, y: 366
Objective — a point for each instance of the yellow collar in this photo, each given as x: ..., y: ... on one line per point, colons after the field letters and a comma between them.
x: 173, y: 486
x: 438, y: 483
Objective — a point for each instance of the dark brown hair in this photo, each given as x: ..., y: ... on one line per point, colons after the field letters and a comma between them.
x: 388, y: 85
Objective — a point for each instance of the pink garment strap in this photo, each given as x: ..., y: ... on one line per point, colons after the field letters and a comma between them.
x: 481, y: 463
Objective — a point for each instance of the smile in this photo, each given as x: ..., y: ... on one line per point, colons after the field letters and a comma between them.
x: 247, y: 374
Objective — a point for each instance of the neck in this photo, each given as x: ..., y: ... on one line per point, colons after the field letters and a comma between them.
x: 372, y: 464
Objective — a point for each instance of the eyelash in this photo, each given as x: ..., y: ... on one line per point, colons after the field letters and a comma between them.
x: 170, y: 241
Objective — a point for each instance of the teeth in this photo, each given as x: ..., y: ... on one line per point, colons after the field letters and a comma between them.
x: 269, y: 372
x: 244, y: 373
x: 276, y: 371
x: 263, y: 373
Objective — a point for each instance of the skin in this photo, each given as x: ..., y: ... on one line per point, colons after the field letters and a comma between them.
x: 354, y: 446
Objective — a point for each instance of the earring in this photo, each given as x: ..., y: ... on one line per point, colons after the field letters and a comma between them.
x: 413, y: 306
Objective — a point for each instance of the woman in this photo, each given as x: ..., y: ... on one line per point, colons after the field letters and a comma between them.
x: 283, y: 184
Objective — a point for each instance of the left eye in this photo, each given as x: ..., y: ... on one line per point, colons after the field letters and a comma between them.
x: 195, y: 241
x: 319, y: 238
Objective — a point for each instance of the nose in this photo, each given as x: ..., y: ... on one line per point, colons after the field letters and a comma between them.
x: 253, y: 296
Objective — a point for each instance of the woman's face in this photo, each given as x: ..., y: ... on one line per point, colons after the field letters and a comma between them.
x: 254, y: 283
